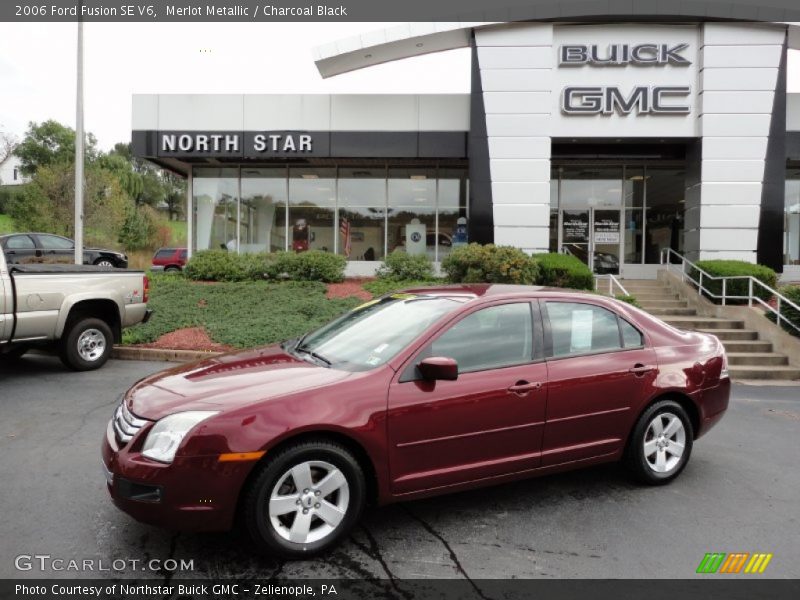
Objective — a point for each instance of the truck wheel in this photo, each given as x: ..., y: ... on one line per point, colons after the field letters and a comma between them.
x: 86, y: 345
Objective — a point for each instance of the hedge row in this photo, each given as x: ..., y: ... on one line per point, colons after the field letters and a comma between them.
x: 221, y: 265
x: 475, y: 263
x: 731, y: 268
x: 792, y: 292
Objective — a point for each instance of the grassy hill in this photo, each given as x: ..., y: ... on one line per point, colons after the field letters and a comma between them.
x: 6, y: 224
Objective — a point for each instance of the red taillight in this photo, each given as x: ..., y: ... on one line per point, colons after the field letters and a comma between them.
x: 145, y: 289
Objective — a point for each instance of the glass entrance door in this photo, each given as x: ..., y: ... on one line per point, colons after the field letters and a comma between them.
x: 605, y: 241
x: 593, y: 236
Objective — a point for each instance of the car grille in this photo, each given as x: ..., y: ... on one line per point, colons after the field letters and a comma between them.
x: 126, y: 424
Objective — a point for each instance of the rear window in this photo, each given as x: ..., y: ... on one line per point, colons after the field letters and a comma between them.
x: 164, y: 253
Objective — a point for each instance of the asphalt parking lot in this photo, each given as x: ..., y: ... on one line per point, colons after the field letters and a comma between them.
x: 740, y: 493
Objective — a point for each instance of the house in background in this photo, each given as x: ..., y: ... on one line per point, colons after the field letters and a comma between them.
x: 11, y: 172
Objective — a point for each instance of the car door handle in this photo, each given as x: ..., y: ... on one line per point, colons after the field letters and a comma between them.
x: 640, y: 369
x: 523, y: 387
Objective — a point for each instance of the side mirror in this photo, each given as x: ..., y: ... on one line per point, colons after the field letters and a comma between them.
x: 439, y: 368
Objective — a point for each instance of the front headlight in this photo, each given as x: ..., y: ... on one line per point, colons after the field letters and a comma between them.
x: 164, y: 438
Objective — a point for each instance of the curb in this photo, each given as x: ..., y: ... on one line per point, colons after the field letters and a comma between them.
x: 158, y: 354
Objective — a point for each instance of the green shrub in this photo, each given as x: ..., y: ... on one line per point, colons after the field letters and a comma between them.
x: 221, y: 265
x: 629, y: 299
x: 379, y: 287
x: 403, y: 266
x: 313, y: 265
x: 140, y: 229
x: 565, y: 271
x: 730, y: 268
x: 792, y: 292
x: 475, y: 263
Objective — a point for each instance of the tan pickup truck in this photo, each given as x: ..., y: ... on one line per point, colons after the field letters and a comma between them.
x: 77, y: 310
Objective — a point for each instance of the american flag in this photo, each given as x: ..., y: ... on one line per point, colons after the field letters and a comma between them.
x: 344, y: 229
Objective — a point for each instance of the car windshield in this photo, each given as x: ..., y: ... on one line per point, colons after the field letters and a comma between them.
x: 373, y: 333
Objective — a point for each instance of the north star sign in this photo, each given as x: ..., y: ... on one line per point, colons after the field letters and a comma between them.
x: 609, y: 99
x: 228, y: 143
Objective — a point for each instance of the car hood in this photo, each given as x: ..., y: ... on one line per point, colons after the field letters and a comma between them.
x: 226, y: 382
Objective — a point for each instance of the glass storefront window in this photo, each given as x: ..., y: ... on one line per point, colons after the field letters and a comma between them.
x: 356, y: 211
x: 263, y: 210
x: 312, y: 209
x: 634, y: 186
x: 633, y: 236
x: 452, y: 206
x: 591, y: 187
x: 665, y: 189
x: 362, y: 213
x: 412, y: 211
x: 215, y: 194
x: 792, y: 217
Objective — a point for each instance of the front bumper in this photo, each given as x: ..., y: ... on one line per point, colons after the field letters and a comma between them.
x: 191, y: 494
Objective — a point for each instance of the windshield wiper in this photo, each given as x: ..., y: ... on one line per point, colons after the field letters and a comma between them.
x: 313, y: 354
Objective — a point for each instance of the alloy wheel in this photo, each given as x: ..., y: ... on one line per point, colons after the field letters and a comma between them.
x: 309, y: 502
x: 664, y: 442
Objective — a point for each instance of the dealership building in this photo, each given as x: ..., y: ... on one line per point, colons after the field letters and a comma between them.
x: 609, y: 141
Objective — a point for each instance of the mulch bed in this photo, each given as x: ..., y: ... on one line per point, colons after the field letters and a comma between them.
x: 191, y: 338
x: 349, y: 287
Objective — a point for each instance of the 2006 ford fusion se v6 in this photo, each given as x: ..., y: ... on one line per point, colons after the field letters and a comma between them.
x: 418, y: 393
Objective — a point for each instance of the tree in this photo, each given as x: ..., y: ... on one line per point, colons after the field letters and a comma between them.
x: 46, y: 203
x: 8, y: 142
x: 51, y: 143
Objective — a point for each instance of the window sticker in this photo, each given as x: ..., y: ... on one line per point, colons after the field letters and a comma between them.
x: 374, y: 361
x: 380, y: 348
x: 582, y: 321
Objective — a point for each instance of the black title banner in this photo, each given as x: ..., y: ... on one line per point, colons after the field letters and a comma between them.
x: 390, y: 10
x: 703, y: 588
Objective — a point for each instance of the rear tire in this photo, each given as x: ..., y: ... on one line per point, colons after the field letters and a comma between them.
x: 172, y: 270
x: 305, y: 500
x: 660, y: 444
x: 86, y: 345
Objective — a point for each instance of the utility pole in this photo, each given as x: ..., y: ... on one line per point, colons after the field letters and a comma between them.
x: 79, y: 139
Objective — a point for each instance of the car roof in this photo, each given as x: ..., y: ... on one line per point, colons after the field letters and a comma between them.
x: 494, y: 290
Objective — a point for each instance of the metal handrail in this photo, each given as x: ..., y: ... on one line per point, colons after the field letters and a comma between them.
x: 752, y: 282
x: 612, y: 281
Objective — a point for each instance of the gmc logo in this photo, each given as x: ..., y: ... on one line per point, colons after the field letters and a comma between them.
x: 607, y: 100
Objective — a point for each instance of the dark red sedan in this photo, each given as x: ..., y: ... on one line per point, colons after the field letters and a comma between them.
x: 418, y: 393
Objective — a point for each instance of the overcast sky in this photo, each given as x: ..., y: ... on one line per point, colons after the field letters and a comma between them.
x: 37, y: 68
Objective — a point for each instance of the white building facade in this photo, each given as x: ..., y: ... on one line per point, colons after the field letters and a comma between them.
x: 608, y: 141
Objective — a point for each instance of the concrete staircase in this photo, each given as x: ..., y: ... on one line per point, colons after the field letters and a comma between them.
x: 748, y: 356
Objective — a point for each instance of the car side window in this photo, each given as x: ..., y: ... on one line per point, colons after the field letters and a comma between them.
x: 577, y: 328
x: 53, y: 242
x: 490, y: 338
x: 631, y: 337
x: 20, y: 242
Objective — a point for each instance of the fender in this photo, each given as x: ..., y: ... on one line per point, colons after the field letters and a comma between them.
x: 74, y: 299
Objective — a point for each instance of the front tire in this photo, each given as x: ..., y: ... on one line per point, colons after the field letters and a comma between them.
x: 104, y: 262
x: 661, y: 443
x: 305, y: 500
x: 86, y: 345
